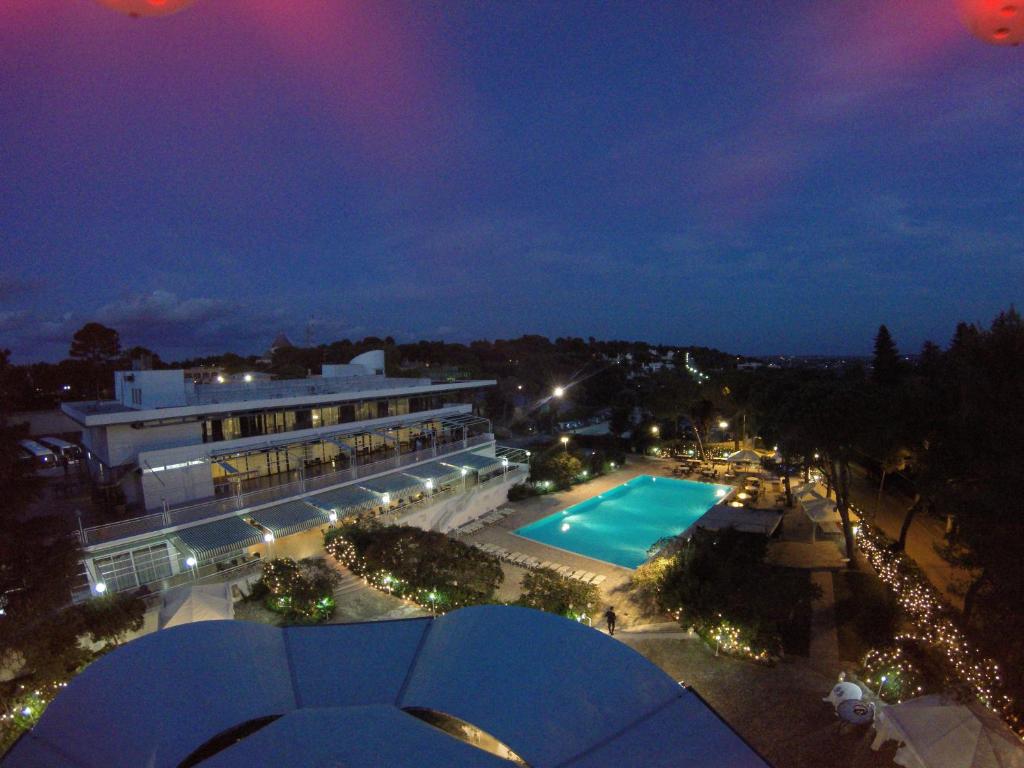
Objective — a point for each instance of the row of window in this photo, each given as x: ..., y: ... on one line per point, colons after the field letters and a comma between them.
x: 275, y: 422
x: 129, y: 570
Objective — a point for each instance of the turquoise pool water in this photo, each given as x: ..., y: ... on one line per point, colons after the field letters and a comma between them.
x: 622, y: 523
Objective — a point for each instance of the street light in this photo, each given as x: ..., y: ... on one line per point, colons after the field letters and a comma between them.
x: 332, y: 516
x: 504, y: 467
x: 432, y: 597
x: 559, y: 391
x: 565, y: 442
x: 191, y: 563
x: 655, y: 430
x: 464, y: 473
x: 723, y: 424
x: 101, y: 587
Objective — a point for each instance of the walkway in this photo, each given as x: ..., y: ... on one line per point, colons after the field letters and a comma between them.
x: 925, y: 533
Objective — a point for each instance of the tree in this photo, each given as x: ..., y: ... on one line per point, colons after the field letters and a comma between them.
x: 886, y: 362
x: 98, y: 346
x: 558, y: 466
x: 109, y: 618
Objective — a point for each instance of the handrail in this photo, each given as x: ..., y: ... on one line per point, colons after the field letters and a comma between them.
x: 150, y: 523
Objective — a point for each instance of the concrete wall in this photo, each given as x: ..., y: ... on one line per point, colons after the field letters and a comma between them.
x: 453, y: 512
x: 125, y: 443
x: 175, y: 486
x: 158, y: 389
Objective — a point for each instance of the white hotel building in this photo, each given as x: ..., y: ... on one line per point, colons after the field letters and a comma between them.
x: 219, y: 471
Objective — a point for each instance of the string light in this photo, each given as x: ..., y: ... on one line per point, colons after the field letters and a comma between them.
x: 932, y: 627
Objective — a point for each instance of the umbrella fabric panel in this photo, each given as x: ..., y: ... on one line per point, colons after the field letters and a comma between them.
x: 291, y: 517
x: 219, y: 537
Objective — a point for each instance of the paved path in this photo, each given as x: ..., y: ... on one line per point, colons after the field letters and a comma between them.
x: 925, y: 533
x: 824, y: 651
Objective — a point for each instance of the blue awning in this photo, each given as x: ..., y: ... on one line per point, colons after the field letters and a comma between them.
x: 346, y: 497
x: 290, y: 517
x: 435, y: 471
x: 474, y: 461
x: 395, y: 484
x: 221, y: 537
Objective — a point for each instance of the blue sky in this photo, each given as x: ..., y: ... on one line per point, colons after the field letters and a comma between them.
x: 759, y: 177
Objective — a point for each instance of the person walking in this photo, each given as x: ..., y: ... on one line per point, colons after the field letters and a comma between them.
x: 610, y: 617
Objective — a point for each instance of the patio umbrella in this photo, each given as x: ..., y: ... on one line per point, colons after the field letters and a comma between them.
x: 935, y: 732
x: 743, y: 457
x: 199, y: 602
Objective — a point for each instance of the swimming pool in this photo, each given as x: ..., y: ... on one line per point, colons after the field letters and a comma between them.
x: 619, y: 525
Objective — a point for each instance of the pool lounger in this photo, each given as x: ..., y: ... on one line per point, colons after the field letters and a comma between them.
x: 598, y: 579
x: 547, y: 564
x: 587, y: 576
x: 563, y: 570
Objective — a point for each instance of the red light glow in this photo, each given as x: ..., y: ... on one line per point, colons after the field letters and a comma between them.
x: 139, y: 8
x: 994, y: 21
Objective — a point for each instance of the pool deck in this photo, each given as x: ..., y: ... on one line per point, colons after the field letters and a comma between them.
x: 616, y: 585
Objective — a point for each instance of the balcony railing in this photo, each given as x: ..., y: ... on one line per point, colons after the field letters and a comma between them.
x: 137, y: 526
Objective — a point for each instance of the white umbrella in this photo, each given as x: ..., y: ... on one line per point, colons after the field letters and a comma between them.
x: 200, y: 602
x: 939, y: 733
x: 743, y: 457
x: 820, y: 510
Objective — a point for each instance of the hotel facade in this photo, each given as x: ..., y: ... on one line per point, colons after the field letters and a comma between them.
x: 216, y: 472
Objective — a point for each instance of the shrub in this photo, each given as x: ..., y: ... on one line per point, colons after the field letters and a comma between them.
x: 416, y: 564
x: 522, y: 491
x: 546, y: 590
x: 303, y: 591
x: 719, y: 583
x: 109, y: 618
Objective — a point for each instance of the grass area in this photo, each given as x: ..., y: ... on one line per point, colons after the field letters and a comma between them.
x: 866, y: 613
x: 796, y: 632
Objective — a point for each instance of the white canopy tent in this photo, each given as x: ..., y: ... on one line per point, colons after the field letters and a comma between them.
x: 935, y: 732
x: 199, y: 602
x: 744, y: 457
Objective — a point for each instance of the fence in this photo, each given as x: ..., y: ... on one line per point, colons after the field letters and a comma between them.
x: 193, y: 513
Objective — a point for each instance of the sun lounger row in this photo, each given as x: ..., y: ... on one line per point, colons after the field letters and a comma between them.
x: 475, y: 525
x: 526, y: 561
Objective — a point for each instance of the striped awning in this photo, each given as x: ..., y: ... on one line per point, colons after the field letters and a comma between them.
x: 221, y: 537
x: 474, y: 461
x: 395, y: 484
x: 433, y: 470
x: 346, y: 497
x: 290, y: 517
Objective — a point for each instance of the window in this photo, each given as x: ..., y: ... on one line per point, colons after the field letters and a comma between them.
x: 127, y: 570
x: 117, y: 572
x: 152, y: 563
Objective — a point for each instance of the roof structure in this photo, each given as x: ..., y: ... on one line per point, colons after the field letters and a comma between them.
x: 226, y: 694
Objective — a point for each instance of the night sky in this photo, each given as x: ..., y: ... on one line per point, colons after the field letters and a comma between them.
x: 764, y: 177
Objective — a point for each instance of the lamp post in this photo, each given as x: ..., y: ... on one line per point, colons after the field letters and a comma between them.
x: 191, y: 563
x: 558, y: 392
x: 655, y: 430
x: 504, y: 468
x: 565, y: 442
x: 464, y: 472
x: 432, y: 597
x: 101, y: 587
x: 268, y: 538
